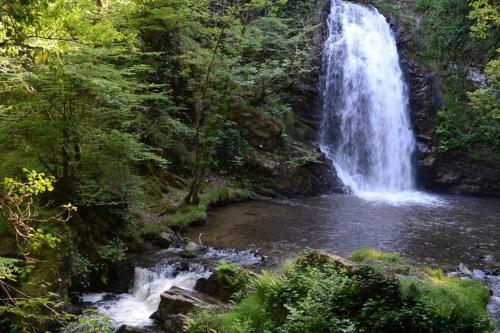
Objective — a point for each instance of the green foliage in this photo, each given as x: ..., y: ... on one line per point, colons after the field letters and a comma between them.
x: 226, y: 147
x: 90, y: 322
x: 80, y: 95
x: 36, y: 184
x: 110, y: 89
x: 39, y: 237
x: 212, y: 196
x: 310, y: 157
x: 318, y: 296
x: 385, y: 262
x: 445, y: 27
x: 233, y: 281
x: 112, y: 252
x: 18, y: 207
x: 486, y: 104
x: 18, y: 204
x: 82, y: 268
x: 456, y: 305
x: 486, y: 16
x: 454, y: 36
x: 9, y: 269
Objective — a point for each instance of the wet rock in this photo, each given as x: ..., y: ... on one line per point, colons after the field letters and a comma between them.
x: 425, y: 101
x: 193, y: 247
x: 478, y: 274
x: 187, y: 254
x: 182, y: 301
x: 121, y: 273
x: 216, y: 285
x: 174, y: 323
x: 191, y: 250
x: 177, y: 302
x: 298, y: 170
x: 304, y: 92
x: 489, y: 258
x: 210, y: 286
x: 109, y: 297
x: 281, y: 166
x: 312, y: 178
x: 317, y: 257
x: 132, y: 329
x: 452, y: 172
x: 464, y: 270
x: 154, y: 315
x: 181, y: 266
x: 164, y: 239
x: 460, y: 174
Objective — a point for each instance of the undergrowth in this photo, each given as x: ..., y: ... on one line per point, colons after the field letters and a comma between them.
x: 321, y: 296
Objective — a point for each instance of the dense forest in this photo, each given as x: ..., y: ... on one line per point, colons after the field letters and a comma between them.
x: 124, y: 121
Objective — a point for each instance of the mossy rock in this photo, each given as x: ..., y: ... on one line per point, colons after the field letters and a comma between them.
x: 226, y: 281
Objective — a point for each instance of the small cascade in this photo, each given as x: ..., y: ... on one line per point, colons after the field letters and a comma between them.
x: 366, y: 129
x: 135, y: 308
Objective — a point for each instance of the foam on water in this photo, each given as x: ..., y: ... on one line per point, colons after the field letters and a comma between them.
x: 402, y: 198
x: 135, y: 308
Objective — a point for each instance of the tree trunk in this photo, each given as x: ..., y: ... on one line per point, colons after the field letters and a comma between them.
x: 198, y: 171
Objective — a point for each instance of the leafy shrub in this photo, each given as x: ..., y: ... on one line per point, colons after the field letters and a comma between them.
x: 226, y: 147
x: 233, y: 281
x: 82, y: 268
x: 90, y: 322
x: 456, y: 36
x: 112, y: 252
x: 320, y: 296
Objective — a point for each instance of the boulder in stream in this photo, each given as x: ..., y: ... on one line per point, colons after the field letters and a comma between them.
x: 191, y: 250
x: 317, y: 257
x: 174, y: 323
x: 225, y: 282
x: 132, y: 329
x: 177, y: 302
x: 464, y: 270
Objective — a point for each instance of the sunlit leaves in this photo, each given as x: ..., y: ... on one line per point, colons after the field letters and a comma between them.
x: 36, y: 183
x: 486, y: 16
x: 9, y: 269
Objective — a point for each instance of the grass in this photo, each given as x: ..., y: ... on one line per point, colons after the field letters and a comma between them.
x: 384, y: 262
x: 177, y: 214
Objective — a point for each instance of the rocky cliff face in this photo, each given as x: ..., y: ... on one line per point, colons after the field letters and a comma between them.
x: 285, y: 166
x: 292, y: 169
x: 457, y: 174
x: 448, y: 172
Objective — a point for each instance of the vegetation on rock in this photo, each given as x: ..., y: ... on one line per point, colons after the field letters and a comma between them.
x: 458, y: 40
x: 316, y: 294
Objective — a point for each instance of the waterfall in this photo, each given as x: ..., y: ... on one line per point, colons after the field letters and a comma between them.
x: 365, y: 128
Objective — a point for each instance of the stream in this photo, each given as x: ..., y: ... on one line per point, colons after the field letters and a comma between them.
x: 450, y: 231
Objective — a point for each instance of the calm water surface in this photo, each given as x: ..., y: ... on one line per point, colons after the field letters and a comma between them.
x: 459, y: 229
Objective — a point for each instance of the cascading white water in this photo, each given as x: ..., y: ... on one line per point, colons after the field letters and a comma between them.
x: 135, y: 308
x: 365, y: 129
